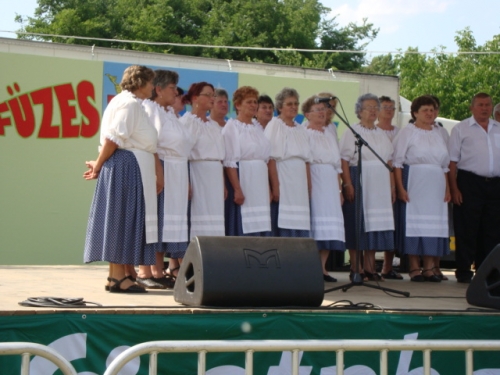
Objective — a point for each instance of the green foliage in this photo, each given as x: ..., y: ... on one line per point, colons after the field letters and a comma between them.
x: 381, y: 64
x: 454, y: 79
x: 347, y: 39
x: 264, y: 23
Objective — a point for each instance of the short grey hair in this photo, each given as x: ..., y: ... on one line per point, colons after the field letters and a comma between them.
x: 163, y: 78
x: 221, y: 92
x: 358, y: 107
x: 496, y: 109
x: 286, y: 92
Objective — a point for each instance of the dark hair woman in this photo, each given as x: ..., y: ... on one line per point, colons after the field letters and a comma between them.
x: 205, y: 160
x: 421, y: 159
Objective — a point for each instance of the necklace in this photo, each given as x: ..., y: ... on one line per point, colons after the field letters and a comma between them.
x: 292, y: 124
x: 366, y: 127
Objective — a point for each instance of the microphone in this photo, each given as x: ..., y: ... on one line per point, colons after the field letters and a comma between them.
x: 324, y: 100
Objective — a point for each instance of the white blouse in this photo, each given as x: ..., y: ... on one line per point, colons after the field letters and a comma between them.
x: 375, y: 137
x: 174, y: 139
x: 324, y: 148
x: 331, y: 127
x: 391, y: 133
x: 244, y: 142
x: 207, y: 138
x: 418, y: 146
x: 287, y: 141
x: 126, y: 123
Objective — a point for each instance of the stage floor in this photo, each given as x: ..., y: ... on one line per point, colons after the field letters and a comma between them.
x: 18, y: 283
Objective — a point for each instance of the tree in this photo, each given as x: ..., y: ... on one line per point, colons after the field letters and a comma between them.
x: 264, y: 23
x: 454, y: 79
x: 381, y: 64
x: 347, y: 38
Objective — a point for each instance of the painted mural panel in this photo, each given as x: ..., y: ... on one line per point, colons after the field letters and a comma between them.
x: 49, y: 124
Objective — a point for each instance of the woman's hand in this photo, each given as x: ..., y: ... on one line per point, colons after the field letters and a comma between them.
x: 456, y: 196
x: 349, y: 192
x: 92, y: 173
x: 393, y: 195
x: 160, y: 182
x: 239, y: 198
x: 403, y: 195
x: 190, y: 192
x: 275, y: 193
x: 225, y: 192
x: 160, y: 179
x: 94, y: 166
x: 341, y: 198
x: 447, y: 195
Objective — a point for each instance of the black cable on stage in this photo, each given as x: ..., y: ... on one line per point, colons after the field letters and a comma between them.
x: 57, y: 302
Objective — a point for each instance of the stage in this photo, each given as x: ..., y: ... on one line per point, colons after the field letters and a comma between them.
x: 92, y: 336
x: 87, y: 281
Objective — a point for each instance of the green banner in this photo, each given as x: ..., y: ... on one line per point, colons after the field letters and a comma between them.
x: 92, y: 341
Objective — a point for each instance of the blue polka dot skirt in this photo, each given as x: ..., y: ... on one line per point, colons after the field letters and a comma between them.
x: 426, y: 246
x: 379, y: 241
x: 116, y: 228
x: 232, y: 215
x: 175, y: 250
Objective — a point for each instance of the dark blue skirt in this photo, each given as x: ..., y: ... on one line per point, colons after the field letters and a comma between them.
x: 232, y: 215
x: 426, y: 246
x: 331, y: 245
x: 379, y: 241
x: 173, y: 250
x: 282, y: 232
x: 116, y: 227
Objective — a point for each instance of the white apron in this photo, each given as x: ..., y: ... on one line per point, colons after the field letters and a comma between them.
x: 207, y: 204
x: 327, y: 220
x: 146, y: 161
x: 255, y: 211
x: 377, y: 201
x: 175, y: 224
x: 426, y: 212
x: 294, y: 196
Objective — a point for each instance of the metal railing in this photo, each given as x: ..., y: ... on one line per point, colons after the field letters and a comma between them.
x: 153, y: 348
x: 27, y: 349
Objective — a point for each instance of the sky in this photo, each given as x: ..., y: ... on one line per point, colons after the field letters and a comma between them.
x: 425, y: 24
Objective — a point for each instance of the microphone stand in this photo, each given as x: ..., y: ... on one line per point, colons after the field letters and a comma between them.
x: 357, y: 280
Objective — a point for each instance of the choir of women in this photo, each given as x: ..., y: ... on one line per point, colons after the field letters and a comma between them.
x: 163, y: 180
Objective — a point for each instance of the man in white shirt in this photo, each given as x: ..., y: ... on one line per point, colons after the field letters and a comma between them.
x: 474, y: 148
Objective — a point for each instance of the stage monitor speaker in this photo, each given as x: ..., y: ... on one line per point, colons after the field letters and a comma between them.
x: 484, y: 289
x: 250, y: 272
